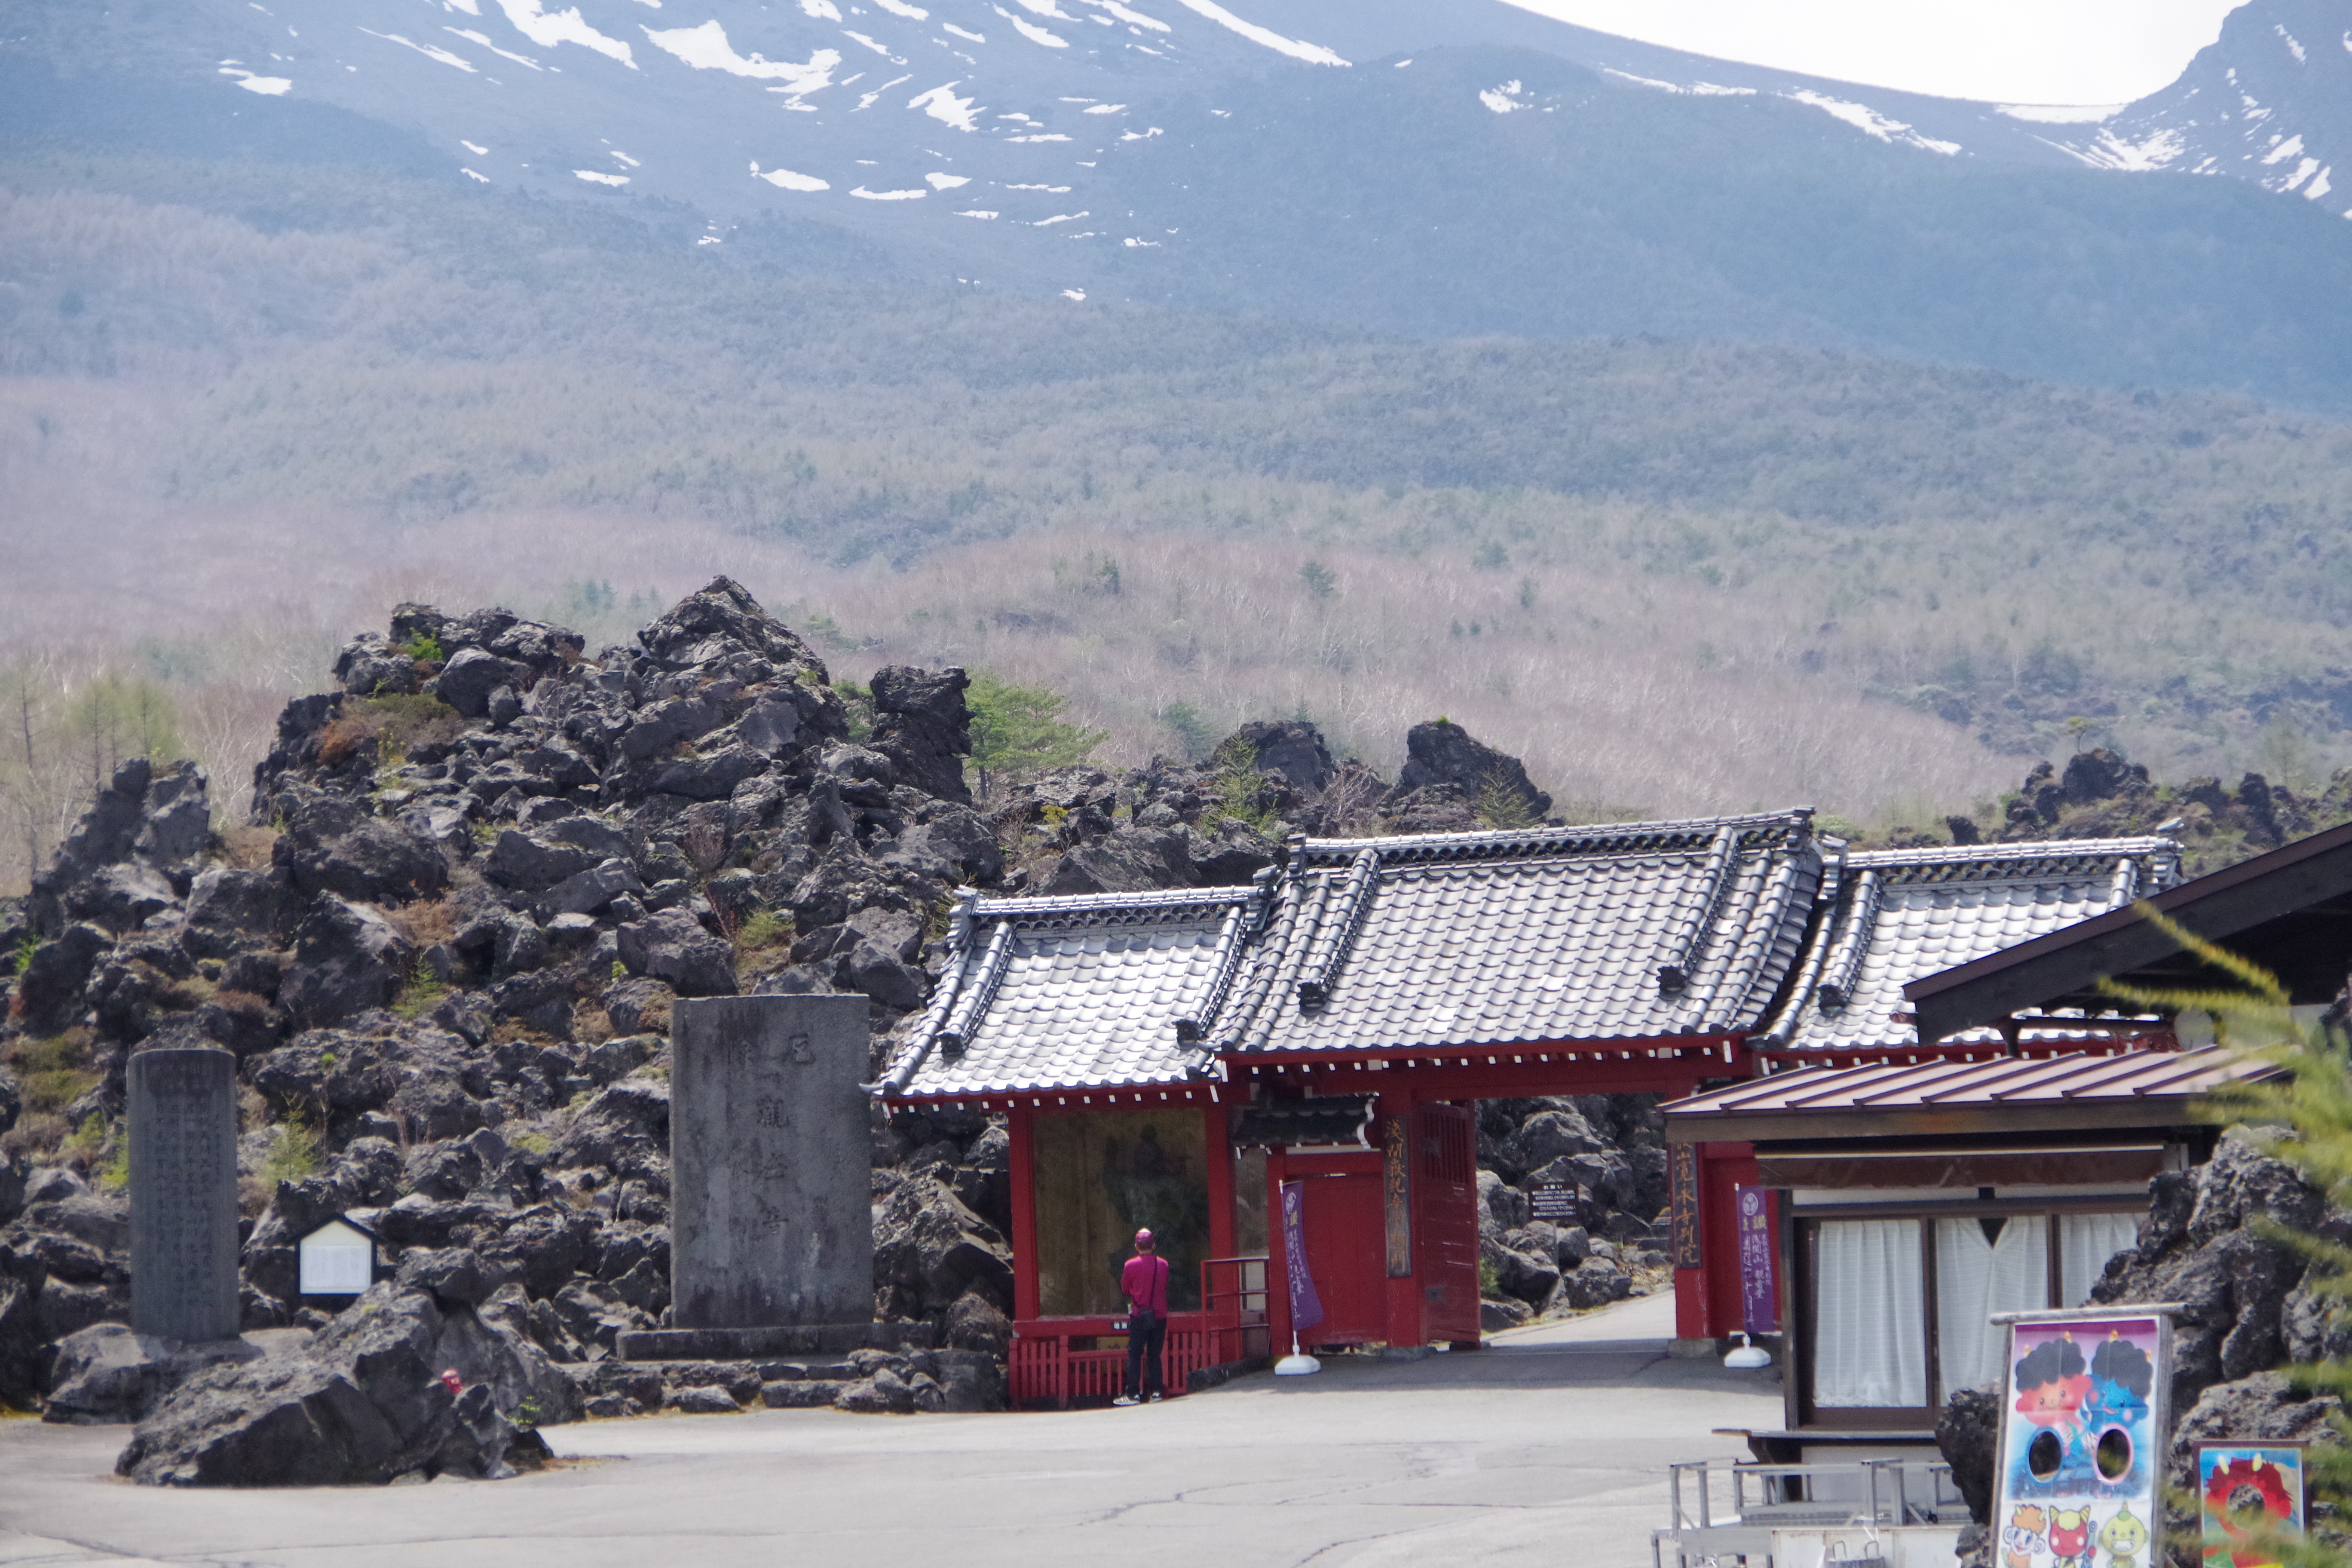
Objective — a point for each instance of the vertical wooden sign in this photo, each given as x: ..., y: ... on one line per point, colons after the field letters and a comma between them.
x: 1682, y: 1188
x: 1396, y: 1188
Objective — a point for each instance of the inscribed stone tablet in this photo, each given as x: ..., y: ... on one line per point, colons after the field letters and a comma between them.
x: 183, y: 1107
x: 771, y: 1161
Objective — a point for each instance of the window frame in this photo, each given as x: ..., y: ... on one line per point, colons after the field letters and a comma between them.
x: 1801, y: 1257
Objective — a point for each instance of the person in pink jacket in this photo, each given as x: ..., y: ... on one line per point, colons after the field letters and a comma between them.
x: 1145, y: 1282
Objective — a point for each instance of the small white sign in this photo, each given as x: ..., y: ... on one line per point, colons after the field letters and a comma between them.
x: 338, y: 1260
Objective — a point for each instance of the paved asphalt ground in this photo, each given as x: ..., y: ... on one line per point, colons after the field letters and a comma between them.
x: 1548, y: 1447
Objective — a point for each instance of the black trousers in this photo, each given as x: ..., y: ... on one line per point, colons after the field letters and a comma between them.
x: 1143, y: 1346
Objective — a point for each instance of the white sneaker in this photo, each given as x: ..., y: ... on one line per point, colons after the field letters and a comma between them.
x: 1125, y: 1399
x: 1155, y: 1399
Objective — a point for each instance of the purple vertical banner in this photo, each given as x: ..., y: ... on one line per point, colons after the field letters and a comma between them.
x: 1305, y: 1307
x: 1759, y: 1286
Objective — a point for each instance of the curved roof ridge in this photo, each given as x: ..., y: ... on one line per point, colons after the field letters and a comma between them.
x: 2025, y: 850
x: 1150, y: 901
x: 1403, y: 848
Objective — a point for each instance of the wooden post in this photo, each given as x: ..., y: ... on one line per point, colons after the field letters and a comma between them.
x: 1023, y: 1154
x: 1394, y: 1134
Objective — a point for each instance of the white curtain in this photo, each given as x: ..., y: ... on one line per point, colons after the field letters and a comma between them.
x: 1870, y: 1338
x: 1975, y: 1279
x: 2085, y: 1242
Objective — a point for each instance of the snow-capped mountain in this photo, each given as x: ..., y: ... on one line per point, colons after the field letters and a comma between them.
x: 1010, y: 111
x: 2270, y: 102
x: 1449, y: 167
x: 943, y: 108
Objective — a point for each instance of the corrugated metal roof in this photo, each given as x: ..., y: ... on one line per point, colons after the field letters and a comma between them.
x: 1898, y: 914
x: 2078, y: 1078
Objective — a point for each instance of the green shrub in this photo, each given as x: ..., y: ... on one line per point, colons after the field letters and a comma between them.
x: 1018, y: 729
x: 53, y: 1072
x: 293, y: 1153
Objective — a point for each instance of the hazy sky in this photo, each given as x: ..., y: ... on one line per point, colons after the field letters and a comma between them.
x: 2012, y: 52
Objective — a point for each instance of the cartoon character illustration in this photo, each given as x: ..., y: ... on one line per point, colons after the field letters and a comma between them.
x: 2070, y: 1536
x: 2245, y: 1495
x: 2022, y: 1539
x: 2124, y: 1538
x: 2122, y: 1377
x: 2052, y: 1385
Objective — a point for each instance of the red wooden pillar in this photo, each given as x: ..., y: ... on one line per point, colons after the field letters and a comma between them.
x: 1023, y: 1154
x: 1706, y: 1299
x: 1219, y: 1154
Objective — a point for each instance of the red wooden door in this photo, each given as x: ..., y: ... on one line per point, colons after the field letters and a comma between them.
x: 1447, y: 1195
x: 1347, y: 1252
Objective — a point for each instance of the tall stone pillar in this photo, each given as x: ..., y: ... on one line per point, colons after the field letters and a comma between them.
x: 771, y: 1161
x: 183, y: 1282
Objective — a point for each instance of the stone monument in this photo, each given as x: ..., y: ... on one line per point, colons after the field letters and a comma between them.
x: 771, y: 1227
x: 183, y: 1282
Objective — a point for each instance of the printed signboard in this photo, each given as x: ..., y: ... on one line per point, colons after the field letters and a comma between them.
x: 1562, y: 1202
x: 2081, y: 1450
x: 1759, y: 1285
x: 2245, y: 1490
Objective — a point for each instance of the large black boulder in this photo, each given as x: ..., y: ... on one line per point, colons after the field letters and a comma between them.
x: 364, y: 1402
x: 922, y: 725
x: 672, y: 947
x: 1443, y: 752
x: 332, y: 845
x: 2201, y: 1246
x: 1290, y: 749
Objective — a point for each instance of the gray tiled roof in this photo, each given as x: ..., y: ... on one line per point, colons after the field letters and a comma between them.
x: 1555, y: 935
x: 1076, y: 993
x: 1890, y: 916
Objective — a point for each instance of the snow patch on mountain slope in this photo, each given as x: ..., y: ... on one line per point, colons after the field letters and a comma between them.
x: 1696, y: 90
x: 483, y: 41
x: 1867, y: 119
x: 785, y: 180
x: 597, y: 177
x: 1034, y: 33
x: 267, y: 85
x: 705, y: 49
x: 942, y: 105
x: 959, y: 32
x: 947, y: 181
x: 548, y: 28
x: 2062, y: 113
x: 1132, y: 18
x: 877, y: 48
x: 900, y: 8
x: 2157, y: 150
x: 1503, y: 100
x: 427, y: 50
x: 1313, y: 53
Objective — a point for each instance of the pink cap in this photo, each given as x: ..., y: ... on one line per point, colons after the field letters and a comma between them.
x: 1142, y: 1238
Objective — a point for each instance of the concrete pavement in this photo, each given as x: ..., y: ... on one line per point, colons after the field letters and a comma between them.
x: 1550, y: 1447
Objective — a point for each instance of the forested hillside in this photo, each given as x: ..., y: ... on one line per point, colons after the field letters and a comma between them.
x: 241, y: 401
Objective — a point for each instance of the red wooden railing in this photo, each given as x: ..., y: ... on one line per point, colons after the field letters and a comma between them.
x: 1058, y: 1363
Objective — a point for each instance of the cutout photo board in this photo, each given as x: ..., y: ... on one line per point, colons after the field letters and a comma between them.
x: 2245, y: 1489
x: 2083, y: 1434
